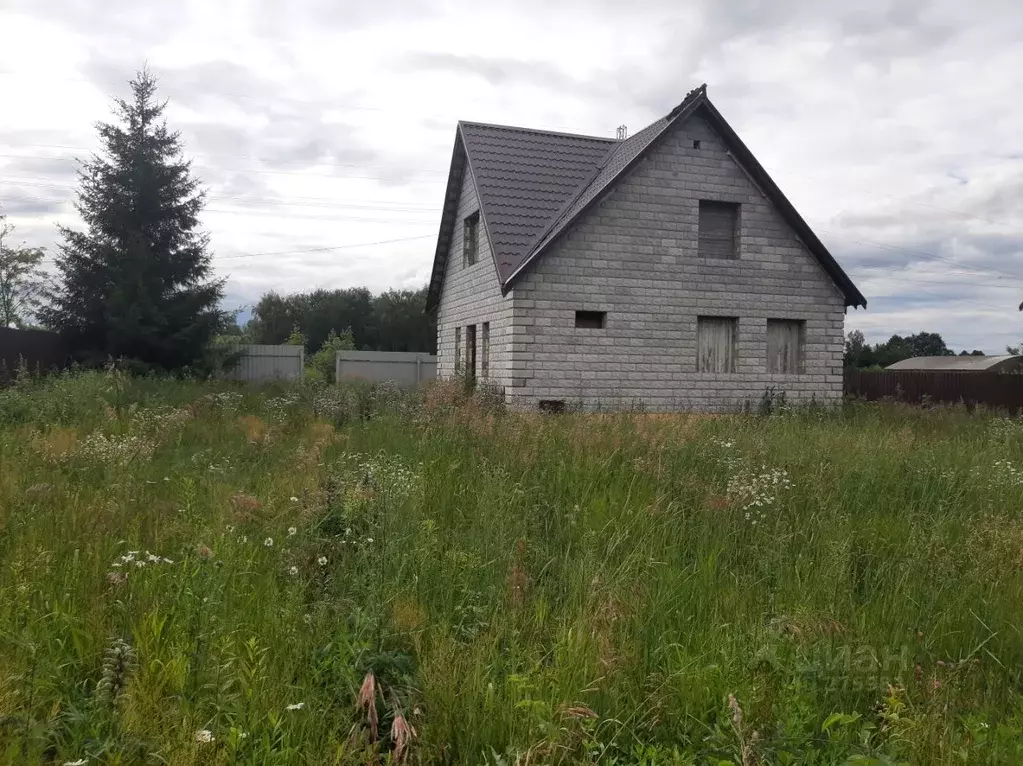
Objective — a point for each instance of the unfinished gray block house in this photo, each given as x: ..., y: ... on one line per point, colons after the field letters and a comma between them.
x: 665, y: 271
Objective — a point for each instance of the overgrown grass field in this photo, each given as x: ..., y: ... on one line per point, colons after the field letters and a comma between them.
x: 204, y: 574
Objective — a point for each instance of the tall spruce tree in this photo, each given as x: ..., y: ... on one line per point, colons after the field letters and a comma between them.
x: 137, y: 283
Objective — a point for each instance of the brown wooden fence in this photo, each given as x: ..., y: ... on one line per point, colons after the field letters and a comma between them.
x: 994, y: 389
x: 40, y: 350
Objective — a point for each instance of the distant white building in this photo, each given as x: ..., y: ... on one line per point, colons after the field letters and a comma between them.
x: 960, y: 364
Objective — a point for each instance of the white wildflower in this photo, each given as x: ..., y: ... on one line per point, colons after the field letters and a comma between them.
x: 295, y: 706
x: 294, y: 499
x: 230, y: 528
x: 369, y: 539
x: 203, y: 736
x: 322, y: 561
x: 293, y: 571
x: 243, y: 539
x: 79, y: 762
x: 292, y: 531
x: 269, y: 542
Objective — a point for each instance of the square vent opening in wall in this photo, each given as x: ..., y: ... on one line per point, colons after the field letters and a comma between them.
x: 591, y: 320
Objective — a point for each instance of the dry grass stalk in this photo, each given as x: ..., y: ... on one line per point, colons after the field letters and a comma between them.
x: 576, y: 711
x: 800, y: 627
x: 517, y: 580
x: 368, y: 701
x: 245, y: 504
x: 402, y: 733
x: 255, y: 429
x: 747, y: 743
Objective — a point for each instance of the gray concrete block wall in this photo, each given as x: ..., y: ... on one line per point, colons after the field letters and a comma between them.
x: 635, y: 257
x: 472, y: 295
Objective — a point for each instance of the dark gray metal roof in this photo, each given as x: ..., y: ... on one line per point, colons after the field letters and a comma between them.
x: 960, y: 363
x: 534, y: 184
x: 523, y: 178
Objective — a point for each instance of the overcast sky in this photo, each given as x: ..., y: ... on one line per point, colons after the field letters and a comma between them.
x: 896, y: 128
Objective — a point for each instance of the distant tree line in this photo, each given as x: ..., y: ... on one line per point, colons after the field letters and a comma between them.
x: 395, y: 320
x: 859, y: 353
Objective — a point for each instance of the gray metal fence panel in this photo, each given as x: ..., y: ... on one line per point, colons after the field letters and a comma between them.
x: 403, y: 368
x: 263, y: 363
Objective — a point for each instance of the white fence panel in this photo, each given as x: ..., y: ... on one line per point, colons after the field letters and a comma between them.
x: 262, y: 363
x: 403, y: 368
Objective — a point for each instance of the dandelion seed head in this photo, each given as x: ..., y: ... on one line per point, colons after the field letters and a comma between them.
x: 269, y: 542
x: 293, y: 571
x: 292, y: 531
x: 322, y: 561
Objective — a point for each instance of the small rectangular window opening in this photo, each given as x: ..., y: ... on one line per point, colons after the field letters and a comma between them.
x: 458, y: 350
x: 470, y: 351
x: 485, y: 351
x: 591, y: 320
x: 786, y: 342
x: 715, y: 344
x: 696, y: 143
x: 471, y: 239
x: 719, y: 229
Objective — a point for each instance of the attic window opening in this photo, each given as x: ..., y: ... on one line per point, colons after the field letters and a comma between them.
x: 591, y: 320
x: 719, y: 229
x: 471, y: 239
x: 696, y: 143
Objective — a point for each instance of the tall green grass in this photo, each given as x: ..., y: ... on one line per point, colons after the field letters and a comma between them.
x: 197, y: 573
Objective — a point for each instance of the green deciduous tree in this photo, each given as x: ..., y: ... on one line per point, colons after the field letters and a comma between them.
x: 21, y: 280
x: 137, y: 283
x: 392, y: 321
x: 859, y: 353
x: 323, y: 362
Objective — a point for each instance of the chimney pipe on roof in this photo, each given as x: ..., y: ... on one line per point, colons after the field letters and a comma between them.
x: 623, y: 132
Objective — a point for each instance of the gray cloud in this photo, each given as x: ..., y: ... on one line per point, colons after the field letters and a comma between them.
x: 36, y: 204
x: 495, y: 71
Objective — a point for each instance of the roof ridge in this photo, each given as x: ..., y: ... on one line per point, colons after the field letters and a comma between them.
x: 519, y: 129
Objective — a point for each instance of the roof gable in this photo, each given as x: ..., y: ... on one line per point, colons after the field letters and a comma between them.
x: 533, y: 185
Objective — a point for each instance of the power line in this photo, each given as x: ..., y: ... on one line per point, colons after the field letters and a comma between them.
x: 330, y: 248
x: 171, y: 89
x: 901, y: 198
x: 301, y: 251
x: 267, y: 212
x: 266, y: 201
x: 926, y: 256
x: 190, y: 154
x: 369, y: 204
